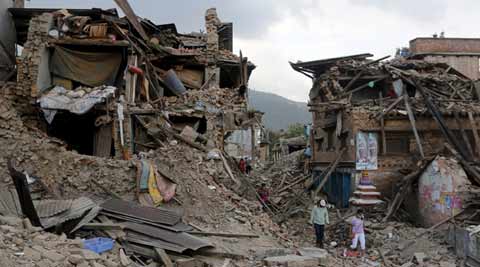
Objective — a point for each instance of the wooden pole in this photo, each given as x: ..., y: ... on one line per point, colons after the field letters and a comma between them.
x: 332, y: 168
x: 384, y: 112
x: 412, y: 121
x: 382, y: 125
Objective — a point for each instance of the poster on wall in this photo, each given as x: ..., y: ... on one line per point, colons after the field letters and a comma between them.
x: 367, y: 151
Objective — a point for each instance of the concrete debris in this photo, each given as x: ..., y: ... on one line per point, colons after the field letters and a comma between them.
x: 291, y: 260
x: 147, y: 152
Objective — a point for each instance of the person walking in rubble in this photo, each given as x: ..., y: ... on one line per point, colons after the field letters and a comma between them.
x: 358, y: 232
x: 242, y: 165
x: 319, y: 218
x: 264, y: 194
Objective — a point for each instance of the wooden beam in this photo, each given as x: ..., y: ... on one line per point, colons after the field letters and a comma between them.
x: 331, y: 168
x: 163, y: 256
x: 224, y: 234
x: 132, y: 18
x: 355, y: 78
x: 228, y: 169
x: 473, y: 124
x: 363, y: 86
x: 389, y: 108
x: 433, y: 109
x: 463, y: 133
x: 102, y: 226
x: 412, y: 121
x: 382, y: 125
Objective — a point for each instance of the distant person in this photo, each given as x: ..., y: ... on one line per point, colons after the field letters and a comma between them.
x: 248, y: 168
x: 319, y: 218
x: 242, y: 165
x: 358, y: 232
x: 264, y: 194
x: 308, y: 156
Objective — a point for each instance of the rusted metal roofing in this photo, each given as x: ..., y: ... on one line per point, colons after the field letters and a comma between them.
x: 149, y: 214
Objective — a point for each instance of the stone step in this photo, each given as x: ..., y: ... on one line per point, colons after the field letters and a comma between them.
x: 365, y: 202
x: 366, y: 187
x: 367, y: 193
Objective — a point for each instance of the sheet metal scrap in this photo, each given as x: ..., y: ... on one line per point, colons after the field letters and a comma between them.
x: 9, y: 203
x: 181, y: 239
x: 144, y: 240
x: 130, y: 209
x: 179, y: 227
x: 49, y: 208
x: 79, y: 207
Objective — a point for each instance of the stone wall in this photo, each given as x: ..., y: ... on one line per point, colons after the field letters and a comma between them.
x: 33, y: 75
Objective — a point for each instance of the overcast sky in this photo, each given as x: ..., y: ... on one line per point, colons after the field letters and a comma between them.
x: 273, y: 32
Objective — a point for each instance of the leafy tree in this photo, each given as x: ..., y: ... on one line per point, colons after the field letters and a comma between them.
x: 294, y: 130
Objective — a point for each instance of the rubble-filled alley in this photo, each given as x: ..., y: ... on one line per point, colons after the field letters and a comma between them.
x: 127, y: 143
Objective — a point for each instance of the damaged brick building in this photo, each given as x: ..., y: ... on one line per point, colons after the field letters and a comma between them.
x: 374, y: 121
x: 111, y: 86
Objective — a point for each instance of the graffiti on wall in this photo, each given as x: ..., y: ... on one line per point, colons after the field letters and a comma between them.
x: 440, y: 190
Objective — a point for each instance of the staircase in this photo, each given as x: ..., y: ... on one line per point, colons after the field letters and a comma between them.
x: 366, y: 195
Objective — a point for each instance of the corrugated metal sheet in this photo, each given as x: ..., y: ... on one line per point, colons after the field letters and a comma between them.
x: 179, y: 227
x: 77, y: 210
x: 181, y: 239
x: 49, y: 208
x: 154, y: 242
x: 8, y: 200
x: 87, y: 218
x: 155, y: 215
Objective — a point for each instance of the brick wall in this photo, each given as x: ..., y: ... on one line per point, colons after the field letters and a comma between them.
x: 445, y: 45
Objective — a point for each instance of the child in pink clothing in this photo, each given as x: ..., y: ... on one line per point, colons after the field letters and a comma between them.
x: 358, y: 232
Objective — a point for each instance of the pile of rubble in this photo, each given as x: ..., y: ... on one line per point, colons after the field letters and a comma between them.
x: 24, y: 245
x: 201, y: 192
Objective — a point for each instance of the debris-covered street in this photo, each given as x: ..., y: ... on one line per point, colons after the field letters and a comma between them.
x: 128, y: 142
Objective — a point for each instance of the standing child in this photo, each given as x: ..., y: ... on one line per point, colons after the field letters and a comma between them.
x: 319, y: 217
x: 358, y: 232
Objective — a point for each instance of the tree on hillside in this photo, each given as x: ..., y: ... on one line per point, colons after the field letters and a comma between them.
x: 294, y: 130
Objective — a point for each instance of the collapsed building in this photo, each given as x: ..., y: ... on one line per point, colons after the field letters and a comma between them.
x: 115, y: 87
x: 374, y: 121
x: 123, y: 111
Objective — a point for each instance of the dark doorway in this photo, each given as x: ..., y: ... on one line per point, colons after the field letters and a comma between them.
x: 78, y: 131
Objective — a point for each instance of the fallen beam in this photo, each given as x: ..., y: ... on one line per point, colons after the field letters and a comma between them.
x: 381, y: 114
x: 223, y: 234
x: 332, y: 167
x: 102, y: 226
x: 412, y: 122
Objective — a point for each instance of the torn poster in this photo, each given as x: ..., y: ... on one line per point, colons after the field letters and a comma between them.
x: 367, y: 151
